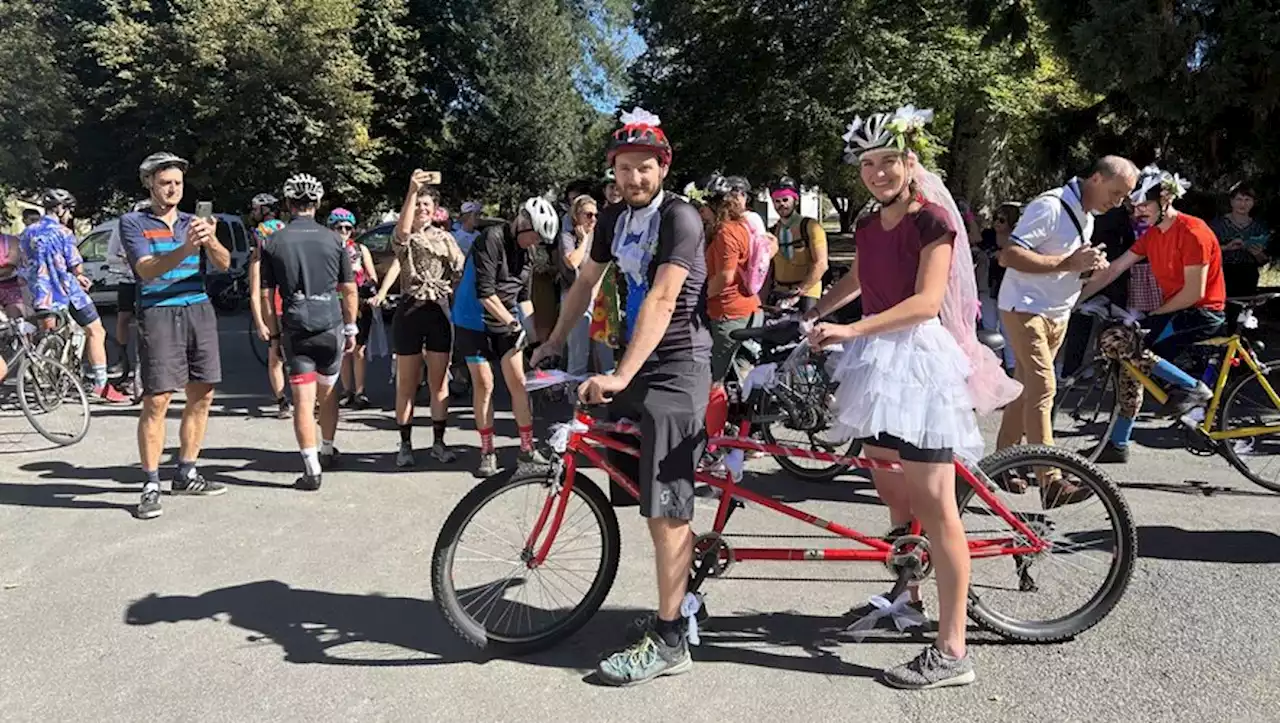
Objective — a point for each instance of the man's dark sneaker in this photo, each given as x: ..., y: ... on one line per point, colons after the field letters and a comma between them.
x: 404, y: 456
x: 345, y: 401
x: 644, y: 660
x: 149, y: 507
x: 1057, y: 492
x: 284, y: 410
x: 359, y: 401
x: 330, y: 460
x: 197, y: 485
x: 1183, y: 400
x: 932, y: 668
x: 442, y: 454
x: 307, y: 483
x: 1111, y: 453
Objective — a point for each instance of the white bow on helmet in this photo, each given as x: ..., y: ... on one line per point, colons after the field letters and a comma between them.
x: 1152, y: 179
x: 304, y: 186
x: 543, y: 216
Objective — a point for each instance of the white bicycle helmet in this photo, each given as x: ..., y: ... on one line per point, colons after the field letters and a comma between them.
x: 1152, y: 182
x: 159, y: 162
x: 867, y: 135
x: 304, y: 186
x: 55, y: 197
x: 544, y: 217
x: 264, y: 199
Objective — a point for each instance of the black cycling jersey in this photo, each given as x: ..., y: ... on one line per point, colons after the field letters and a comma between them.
x: 499, y: 266
x: 306, y: 261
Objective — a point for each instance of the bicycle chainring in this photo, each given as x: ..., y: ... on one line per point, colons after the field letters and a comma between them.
x: 909, y: 556
x: 713, y: 552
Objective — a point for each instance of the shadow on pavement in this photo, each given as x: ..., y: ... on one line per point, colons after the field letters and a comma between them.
x: 66, y: 496
x: 1234, y: 546
x: 318, y: 627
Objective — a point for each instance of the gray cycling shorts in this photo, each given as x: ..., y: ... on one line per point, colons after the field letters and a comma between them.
x: 178, y: 345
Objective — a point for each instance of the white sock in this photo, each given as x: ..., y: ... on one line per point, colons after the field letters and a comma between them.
x: 326, y: 446
x: 311, y: 461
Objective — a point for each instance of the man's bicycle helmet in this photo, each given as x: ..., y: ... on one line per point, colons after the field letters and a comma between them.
x: 159, y: 162
x: 640, y: 131
x: 265, y: 199
x: 304, y: 186
x: 58, y: 197
x: 785, y: 186
x: 341, y: 215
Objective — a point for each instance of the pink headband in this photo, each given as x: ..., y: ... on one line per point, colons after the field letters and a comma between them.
x: 784, y: 192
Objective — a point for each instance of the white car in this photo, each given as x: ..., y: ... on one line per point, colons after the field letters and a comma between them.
x: 108, y: 273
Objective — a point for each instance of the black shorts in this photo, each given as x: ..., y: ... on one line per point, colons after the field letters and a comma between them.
x: 479, y: 347
x: 364, y: 325
x: 126, y: 298
x: 669, y: 402
x: 84, y: 317
x: 177, y: 346
x: 308, y: 355
x: 424, y: 327
x: 909, y: 452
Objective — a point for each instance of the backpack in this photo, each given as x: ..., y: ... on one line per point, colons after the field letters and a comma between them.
x: 756, y: 270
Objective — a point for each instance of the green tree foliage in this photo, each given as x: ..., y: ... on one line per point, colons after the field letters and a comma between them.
x: 37, y: 110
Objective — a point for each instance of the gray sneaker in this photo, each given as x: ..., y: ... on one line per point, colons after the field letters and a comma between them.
x: 149, y: 507
x: 645, y: 660
x: 404, y: 456
x: 932, y: 668
x: 488, y: 465
x: 197, y: 485
x: 443, y: 454
x: 532, y: 456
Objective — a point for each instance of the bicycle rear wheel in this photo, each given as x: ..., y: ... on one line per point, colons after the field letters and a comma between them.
x: 480, y: 573
x: 1247, y: 404
x: 1084, y: 409
x: 1060, y: 592
x: 53, y: 400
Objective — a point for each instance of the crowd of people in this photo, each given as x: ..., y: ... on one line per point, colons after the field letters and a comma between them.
x: 639, y: 289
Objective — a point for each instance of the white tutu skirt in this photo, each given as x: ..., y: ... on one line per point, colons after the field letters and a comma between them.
x: 909, y: 384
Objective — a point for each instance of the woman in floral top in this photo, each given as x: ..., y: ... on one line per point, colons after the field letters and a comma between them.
x: 430, y: 262
x: 1244, y: 242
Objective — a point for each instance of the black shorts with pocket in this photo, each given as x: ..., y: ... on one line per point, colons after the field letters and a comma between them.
x: 479, y: 347
x: 419, y: 327
x: 668, y: 401
x: 312, y: 353
x: 126, y: 298
x: 909, y: 452
x: 177, y: 346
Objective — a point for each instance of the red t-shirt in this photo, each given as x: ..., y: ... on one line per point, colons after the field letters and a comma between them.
x: 889, y: 259
x: 1188, y: 242
x: 730, y: 248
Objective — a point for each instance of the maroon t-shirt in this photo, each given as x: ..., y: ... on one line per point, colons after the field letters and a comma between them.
x: 888, y: 260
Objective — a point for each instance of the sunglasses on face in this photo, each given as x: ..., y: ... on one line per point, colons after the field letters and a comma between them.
x: 344, y: 227
x: 589, y: 214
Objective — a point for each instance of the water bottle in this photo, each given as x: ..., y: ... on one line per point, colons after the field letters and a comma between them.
x: 1210, y: 377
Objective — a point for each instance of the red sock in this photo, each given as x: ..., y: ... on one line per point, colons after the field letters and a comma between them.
x: 486, y: 441
x: 526, y: 438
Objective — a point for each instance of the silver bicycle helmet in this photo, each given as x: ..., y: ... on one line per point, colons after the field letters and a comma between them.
x: 159, y: 162
x: 55, y: 197
x: 543, y: 216
x: 304, y: 186
x: 264, y: 199
x: 871, y: 134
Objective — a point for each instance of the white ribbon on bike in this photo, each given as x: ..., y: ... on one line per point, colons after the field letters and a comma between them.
x: 689, y: 608
x: 561, y: 433
x: 899, y: 611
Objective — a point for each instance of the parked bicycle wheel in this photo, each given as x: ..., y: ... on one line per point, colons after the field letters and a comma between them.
x: 53, y: 400
x: 1084, y: 409
x: 796, y: 412
x: 1248, y: 403
x: 1068, y: 588
x: 258, y: 346
x: 481, y: 572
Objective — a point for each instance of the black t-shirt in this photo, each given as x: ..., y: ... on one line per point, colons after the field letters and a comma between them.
x: 502, y: 267
x: 681, y: 241
x: 306, y: 261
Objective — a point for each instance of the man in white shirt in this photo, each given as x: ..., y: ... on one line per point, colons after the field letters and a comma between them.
x: 1049, y: 251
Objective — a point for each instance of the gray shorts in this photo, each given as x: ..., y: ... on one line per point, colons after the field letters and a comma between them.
x: 178, y: 345
x: 668, y: 400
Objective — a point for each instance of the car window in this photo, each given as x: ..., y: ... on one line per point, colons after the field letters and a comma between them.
x: 377, y: 240
x: 94, y: 246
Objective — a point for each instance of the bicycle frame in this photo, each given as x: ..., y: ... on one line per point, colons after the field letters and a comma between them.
x: 586, y: 444
x: 1236, y: 349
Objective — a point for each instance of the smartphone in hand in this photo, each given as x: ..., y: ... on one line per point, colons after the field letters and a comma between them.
x: 204, y: 210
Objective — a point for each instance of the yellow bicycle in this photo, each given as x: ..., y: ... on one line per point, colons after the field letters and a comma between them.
x: 1241, y: 423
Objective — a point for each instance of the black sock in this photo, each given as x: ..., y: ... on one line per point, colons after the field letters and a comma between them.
x: 669, y: 630
x: 406, y: 433
x: 437, y: 430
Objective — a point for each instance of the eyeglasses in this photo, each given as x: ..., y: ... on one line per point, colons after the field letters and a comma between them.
x: 590, y: 214
x: 344, y: 227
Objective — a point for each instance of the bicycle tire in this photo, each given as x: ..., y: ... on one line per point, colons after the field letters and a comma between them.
x: 1102, y: 602
x: 61, y: 375
x: 1227, y: 448
x: 448, y: 598
x: 1092, y: 391
x: 826, y: 473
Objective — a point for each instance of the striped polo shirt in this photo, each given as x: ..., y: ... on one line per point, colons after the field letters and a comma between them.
x: 146, y: 235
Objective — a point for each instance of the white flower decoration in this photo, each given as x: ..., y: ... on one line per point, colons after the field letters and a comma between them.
x: 1180, y: 186
x: 914, y: 118
x: 640, y: 116
x: 853, y: 129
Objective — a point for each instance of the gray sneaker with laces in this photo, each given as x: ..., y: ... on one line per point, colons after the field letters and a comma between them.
x: 149, y: 507
x: 932, y: 668
x: 488, y: 465
x: 644, y: 660
x: 531, y: 456
x: 443, y: 454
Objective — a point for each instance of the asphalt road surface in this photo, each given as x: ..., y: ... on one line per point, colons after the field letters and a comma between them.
x: 268, y: 604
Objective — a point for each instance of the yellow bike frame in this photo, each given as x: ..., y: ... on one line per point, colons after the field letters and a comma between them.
x: 1234, y: 349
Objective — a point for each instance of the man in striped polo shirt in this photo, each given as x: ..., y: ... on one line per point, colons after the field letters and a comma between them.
x: 177, y: 327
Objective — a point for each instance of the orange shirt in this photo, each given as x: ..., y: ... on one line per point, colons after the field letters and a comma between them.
x: 729, y: 249
x: 1188, y: 242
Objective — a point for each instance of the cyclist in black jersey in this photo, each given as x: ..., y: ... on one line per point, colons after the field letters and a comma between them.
x: 317, y: 325
x: 663, y: 380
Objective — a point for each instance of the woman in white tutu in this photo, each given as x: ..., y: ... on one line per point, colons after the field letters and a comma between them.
x: 912, y: 371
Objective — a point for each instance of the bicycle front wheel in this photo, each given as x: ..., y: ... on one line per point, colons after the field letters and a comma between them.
x: 1084, y: 409
x: 53, y: 400
x: 1248, y: 404
x: 1071, y: 585
x: 483, y: 573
